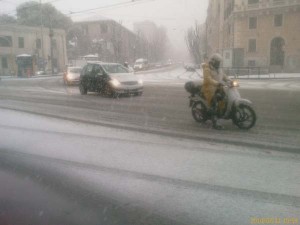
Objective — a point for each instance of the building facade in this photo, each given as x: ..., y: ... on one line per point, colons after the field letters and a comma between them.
x: 108, y: 39
x: 255, y: 33
x: 45, y: 50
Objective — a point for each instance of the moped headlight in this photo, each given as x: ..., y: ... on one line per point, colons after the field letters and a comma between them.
x: 115, y: 82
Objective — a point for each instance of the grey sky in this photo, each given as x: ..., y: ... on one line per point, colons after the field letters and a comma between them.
x: 175, y: 15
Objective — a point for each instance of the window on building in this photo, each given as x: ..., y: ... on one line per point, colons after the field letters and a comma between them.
x: 55, y: 63
x: 4, y: 63
x: 278, y: 20
x: 38, y: 43
x: 21, y: 42
x: 5, y: 41
x: 54, y: 44
x: 251, y: 63
x: 85, y: 30
x: 252, y: 45
x: 103, y: 28
x: 277, y: 53
x: 227, y: 55
x: 252, y: 22
x: 250, y: 2
x: 278, y: 2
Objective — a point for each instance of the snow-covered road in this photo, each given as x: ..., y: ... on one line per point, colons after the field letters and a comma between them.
x: 182, y: 180
x: 179, y: 76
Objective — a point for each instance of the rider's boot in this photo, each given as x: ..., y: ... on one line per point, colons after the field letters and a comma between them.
x: 213, y: 110
x: 214, y: 119
x: 216, y: 125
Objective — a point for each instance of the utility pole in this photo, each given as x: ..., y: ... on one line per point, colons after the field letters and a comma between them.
x: 233, y: 40
x: 51, y: 34
x: 42, y: 33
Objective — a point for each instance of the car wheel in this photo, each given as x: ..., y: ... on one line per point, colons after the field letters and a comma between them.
x: 82, y: 89
x: 108, y: 91
x: 139, y: 93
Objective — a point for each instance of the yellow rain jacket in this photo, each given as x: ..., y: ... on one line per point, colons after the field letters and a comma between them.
x: 211, y: 80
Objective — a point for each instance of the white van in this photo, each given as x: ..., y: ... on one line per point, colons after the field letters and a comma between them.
x: 141, y: 64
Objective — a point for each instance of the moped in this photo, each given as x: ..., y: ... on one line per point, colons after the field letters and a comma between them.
x: 230, y: 105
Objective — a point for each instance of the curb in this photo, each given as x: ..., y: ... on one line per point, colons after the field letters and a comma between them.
x: 32, y: 77
x: 156, y: 70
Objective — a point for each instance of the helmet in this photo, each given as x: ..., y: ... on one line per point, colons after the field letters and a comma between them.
x: 215, y: 60
x: 126, y: 64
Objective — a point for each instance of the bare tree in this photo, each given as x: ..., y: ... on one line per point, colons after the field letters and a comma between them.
x: 155, y: 40
x: 195, y: 40
x: 77, y: 42
x: 159, y: 43
x: 117, y: 40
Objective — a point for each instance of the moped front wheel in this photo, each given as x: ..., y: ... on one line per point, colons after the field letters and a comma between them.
x: 244, y: 117
x: 199, y: 112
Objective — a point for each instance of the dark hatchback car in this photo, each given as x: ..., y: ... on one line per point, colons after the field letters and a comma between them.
x: 111, y: 79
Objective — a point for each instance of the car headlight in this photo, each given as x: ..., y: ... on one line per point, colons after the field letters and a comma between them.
x: 115, y: 82
x: 140, y: 82
x: 235, y: 83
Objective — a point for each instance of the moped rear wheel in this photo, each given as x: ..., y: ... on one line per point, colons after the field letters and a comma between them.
x: 199, y: 112
x: 244, y: 117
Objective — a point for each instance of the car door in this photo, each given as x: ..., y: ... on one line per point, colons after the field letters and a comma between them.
x: 100, y: 77
x: 83, y: 76
x: 88, y: 77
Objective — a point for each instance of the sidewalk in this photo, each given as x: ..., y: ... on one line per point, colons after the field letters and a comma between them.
x: 268, y: 76
x: 258, y: 76
x: 32, y: 77
x: 157, y: 70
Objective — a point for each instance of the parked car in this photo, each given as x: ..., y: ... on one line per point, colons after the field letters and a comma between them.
x: 40, y: 72
x: 111, y: 79
x: 141, y: 64
x: 190, y: 67
x: 72, y: 75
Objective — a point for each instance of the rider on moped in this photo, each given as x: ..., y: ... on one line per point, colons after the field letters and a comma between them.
x: 211, y: 89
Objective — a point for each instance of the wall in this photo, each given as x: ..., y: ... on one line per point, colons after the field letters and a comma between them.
x: 30, y: 35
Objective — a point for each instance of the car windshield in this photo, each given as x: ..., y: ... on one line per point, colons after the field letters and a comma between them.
x: 114, y: 68
x: 185, y: 112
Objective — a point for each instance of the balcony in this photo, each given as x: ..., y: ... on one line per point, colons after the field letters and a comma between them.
x: 266, y: 4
